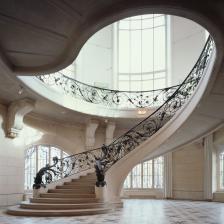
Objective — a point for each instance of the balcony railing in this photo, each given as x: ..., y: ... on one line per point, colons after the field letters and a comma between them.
x: 103, y: 158
x: 107, y: 97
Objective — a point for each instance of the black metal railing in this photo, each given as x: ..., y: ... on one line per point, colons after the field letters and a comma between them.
x: 107, y: 97
x: 103, y: 158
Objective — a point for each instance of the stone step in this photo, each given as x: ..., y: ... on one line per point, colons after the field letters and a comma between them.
x: 83, y: 181
x: 66, y: 195
x: 16, y: 210
x: 64, y: 200
x: 74, y: 191
x: 87, y: 184
x: 43, y: 206
x: 72, y: 186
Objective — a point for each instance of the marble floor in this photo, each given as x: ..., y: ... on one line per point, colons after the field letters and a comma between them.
x: 139, y: 212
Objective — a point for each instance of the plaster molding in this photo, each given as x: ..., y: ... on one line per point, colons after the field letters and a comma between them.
x: 91, y: 127
x: 15, y: 114
x: 110, y: 132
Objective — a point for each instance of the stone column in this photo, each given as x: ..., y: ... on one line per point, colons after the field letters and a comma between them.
x: 91, y: 127
x: 208, y: 167
x: 168, y: 176
x: 110, y: 132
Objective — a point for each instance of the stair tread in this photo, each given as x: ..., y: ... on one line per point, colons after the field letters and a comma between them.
x: 28, y: 203
x: 16, y: 210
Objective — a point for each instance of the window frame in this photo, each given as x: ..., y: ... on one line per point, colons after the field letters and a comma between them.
x: 36, y: 149
x: 117, y: 73
x: 218, y: 169
x: 130, y: 175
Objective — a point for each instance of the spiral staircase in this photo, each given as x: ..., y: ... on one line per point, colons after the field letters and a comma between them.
x: 79, y: 196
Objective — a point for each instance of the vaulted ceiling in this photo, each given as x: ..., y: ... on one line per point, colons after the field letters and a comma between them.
x: 43, y: 36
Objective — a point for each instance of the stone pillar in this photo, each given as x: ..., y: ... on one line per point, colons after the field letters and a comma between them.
x: 168, y: 176
x: 110, y: 132
x: 91, y: 127
x: 208, y: 169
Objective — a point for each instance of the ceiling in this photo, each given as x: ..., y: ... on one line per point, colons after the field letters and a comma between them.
x: 45, y: 36
x: 39, y: 37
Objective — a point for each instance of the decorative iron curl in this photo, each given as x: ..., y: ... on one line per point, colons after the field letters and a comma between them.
x: 107, y: 97
x: 103, y: 158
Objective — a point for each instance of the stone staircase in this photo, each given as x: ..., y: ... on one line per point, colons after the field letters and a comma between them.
x: 73, y: 198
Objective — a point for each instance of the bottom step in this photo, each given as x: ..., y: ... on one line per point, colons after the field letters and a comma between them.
x: 16, y: 210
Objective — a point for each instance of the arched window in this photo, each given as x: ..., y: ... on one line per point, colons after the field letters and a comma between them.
x: 142, y: 52
x: 36, y: 157
x: 148, y: 174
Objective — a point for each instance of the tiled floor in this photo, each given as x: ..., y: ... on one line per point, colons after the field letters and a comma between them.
x: 140, y: 212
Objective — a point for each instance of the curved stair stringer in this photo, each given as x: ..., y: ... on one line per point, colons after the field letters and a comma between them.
x: 168, y: 137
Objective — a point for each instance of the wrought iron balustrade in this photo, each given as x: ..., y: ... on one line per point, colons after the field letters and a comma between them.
x: 103, y: 158
x: 107, y: 97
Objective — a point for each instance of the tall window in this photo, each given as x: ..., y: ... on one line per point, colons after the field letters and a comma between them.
x: 37, y: 157
x: 220, y: 171
x: 148, y: 174
x: 142, y: 47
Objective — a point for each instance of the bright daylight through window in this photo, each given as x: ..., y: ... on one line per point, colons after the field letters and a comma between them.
x: 36, y: 157
x: 142, y: 52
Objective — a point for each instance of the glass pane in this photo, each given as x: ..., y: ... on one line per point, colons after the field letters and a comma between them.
x: 158, y: 172
x: 124, y: 24
x: 159, y: 21
x: 136, y: 86
x: 135, y: 51
x: 160, y: 75
x: 147, y: 174
x: 124, y: 85
x: 124, y: 52
x: 159, y: 49
x: 135, y: 24
x: 30, y: 168
x: 136, y: 77
x: 136, y: 176
x: 123, y: 77
x: 147, y: 50
x: 147, y: 85
x: 43, y: 156
x: 147, y: 23
x: 159, y: 83
x: 147, y: 76
x: 221, y: 166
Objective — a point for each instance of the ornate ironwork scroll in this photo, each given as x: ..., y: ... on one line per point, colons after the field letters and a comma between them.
x: 107, y: 97
x: 106, y: 156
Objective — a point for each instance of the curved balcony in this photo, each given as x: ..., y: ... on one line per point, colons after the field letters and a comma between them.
x: 84, y: 98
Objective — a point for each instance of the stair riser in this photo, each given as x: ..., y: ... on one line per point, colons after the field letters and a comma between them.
x: 64, y: 201
x: 61, y: 206
x: 91, y: 188
x: 73, y: 191
x: 55, y: 195
x: 56, y: 213
x: 79, y: 184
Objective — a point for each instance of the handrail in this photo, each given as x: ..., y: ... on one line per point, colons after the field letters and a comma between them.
x: 107, y: 97
x: 103, y: 158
